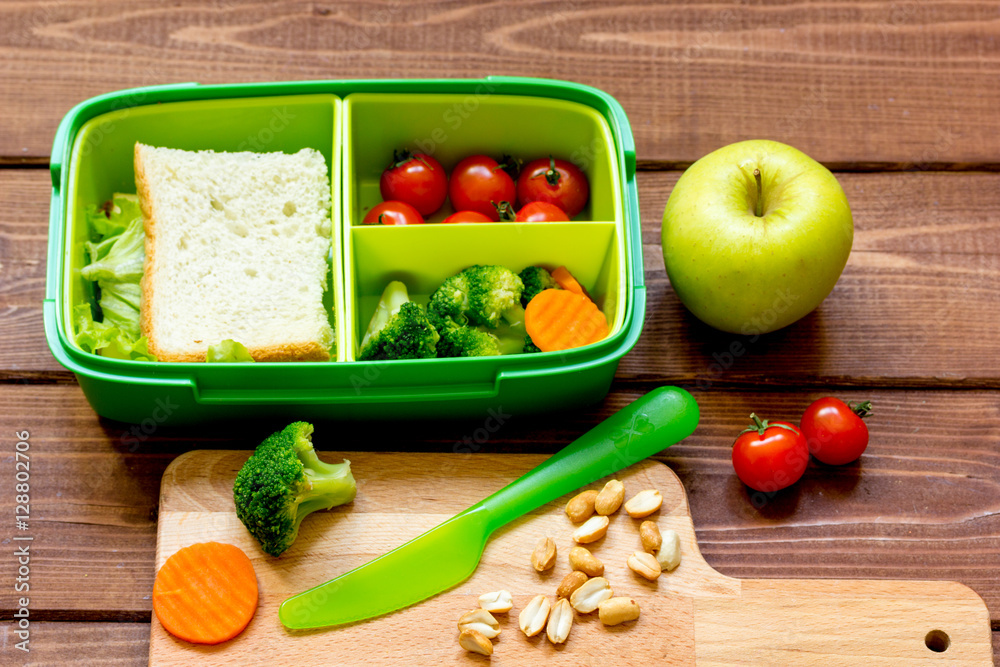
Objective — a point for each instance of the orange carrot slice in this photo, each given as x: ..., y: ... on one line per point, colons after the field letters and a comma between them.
x: 206, y: 593
x: 560, y: 319
x: 565, y: 279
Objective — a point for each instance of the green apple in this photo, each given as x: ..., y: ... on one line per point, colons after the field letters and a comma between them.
x: 755, y: 236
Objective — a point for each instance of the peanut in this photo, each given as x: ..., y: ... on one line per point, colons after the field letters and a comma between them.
x: 497, y: 602
x: 544, y: 555
x: 669, y: 555
x: 481, y: 621
x: 649, y: 533
x: 618, y: 610
x: 560, y: 622
x: 581, y: 506
x: 475, y: 642
x: 644, y: 564
x: 570, y: 583
x: 592, y: 530
x: 644, y: 503
x: 533, y: 617
x: 593, y: 592
x: 610, y: 498
x: 581, y: 559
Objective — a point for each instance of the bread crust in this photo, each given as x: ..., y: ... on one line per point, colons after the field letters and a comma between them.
x: 149, y: 227
x: 289, y: 351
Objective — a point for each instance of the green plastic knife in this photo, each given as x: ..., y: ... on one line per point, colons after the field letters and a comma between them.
x: 449, y: 553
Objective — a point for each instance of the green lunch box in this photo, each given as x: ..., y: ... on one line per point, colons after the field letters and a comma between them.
x: 356, y: 125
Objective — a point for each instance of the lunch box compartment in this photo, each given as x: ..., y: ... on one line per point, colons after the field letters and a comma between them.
x: 356, y: 125
x: 102, y: 162
x: 453, y: 127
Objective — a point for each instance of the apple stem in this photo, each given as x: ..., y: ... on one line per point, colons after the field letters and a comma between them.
x: 759, y: 206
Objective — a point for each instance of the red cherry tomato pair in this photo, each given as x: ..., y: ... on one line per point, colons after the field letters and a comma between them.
x: 770, y: 456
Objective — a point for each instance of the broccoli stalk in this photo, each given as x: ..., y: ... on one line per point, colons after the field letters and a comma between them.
x: 284, y: 481
x: 399, y: 329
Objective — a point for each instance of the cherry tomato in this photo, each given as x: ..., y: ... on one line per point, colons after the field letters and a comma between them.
x: 556, y: 182
x: 479, y: 181
x: 417, y: 179
x: 834, y: 430
x: 770, y: 456
x: 393, y: 213
x: 539, y: 211
x: 465, y: 216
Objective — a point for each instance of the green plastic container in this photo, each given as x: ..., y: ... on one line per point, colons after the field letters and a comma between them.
x: 356, y: 125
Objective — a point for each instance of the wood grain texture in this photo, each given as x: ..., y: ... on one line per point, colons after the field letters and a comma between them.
x: 60, y: 644
x: 907, y: 82
x: 921, y: 504
x: 692, y: 615
x: 926, y: 264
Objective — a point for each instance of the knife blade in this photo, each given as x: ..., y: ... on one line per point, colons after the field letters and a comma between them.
x: 448, y: 554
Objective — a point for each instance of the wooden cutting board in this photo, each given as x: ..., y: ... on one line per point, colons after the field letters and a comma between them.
x: 693, y: 615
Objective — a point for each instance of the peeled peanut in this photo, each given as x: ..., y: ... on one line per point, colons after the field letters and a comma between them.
x: 533, y: 617
x: 544, y: 555
x: 644, y: 503
x: 581, y: 559
x: 592, y: 530
x: 649, y: 533
x: 610, y: 498
x: 644, y: 564
x: 594, y: 591
x: 570, y: 583
x: 497, y: 602
x: 475, y: 642
x: 581, y: 506
x: 560, y: 622
x: 669, y: 555
x: 481, y: 621
x: 618, y: 610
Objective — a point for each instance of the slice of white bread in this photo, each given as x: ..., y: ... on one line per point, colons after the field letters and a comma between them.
x: 236, y: 247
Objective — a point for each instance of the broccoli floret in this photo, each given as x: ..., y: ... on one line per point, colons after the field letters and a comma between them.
x: 282, y: 482
x: 468, y: 342
x: 529, y: 345
x: 449, y: 303
x: 494, y: 293
x: 399, y: 329
x: 479, y: 295
x: 535, y: 279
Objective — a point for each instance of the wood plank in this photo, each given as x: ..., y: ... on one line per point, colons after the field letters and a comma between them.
x: 921, y: 504
x: 922, y: 289
x: 55, y: 644
x: 906, y: 82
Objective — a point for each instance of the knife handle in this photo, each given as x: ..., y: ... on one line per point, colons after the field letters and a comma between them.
x: 650, y: 424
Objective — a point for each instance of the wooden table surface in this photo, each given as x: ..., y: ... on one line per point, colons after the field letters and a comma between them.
x: 899, y: 98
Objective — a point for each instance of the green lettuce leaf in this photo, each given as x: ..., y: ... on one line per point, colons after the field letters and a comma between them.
x: 228, y: 350
x: 115, y: 264
x: 107, y: 339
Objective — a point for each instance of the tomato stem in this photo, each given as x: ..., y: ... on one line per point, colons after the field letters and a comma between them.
x: 509, y: 164
x: 551, y: 174
x: 760, y: 425
x: 505, y: 211
x: 861, y: 409
x: 759, y: 205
